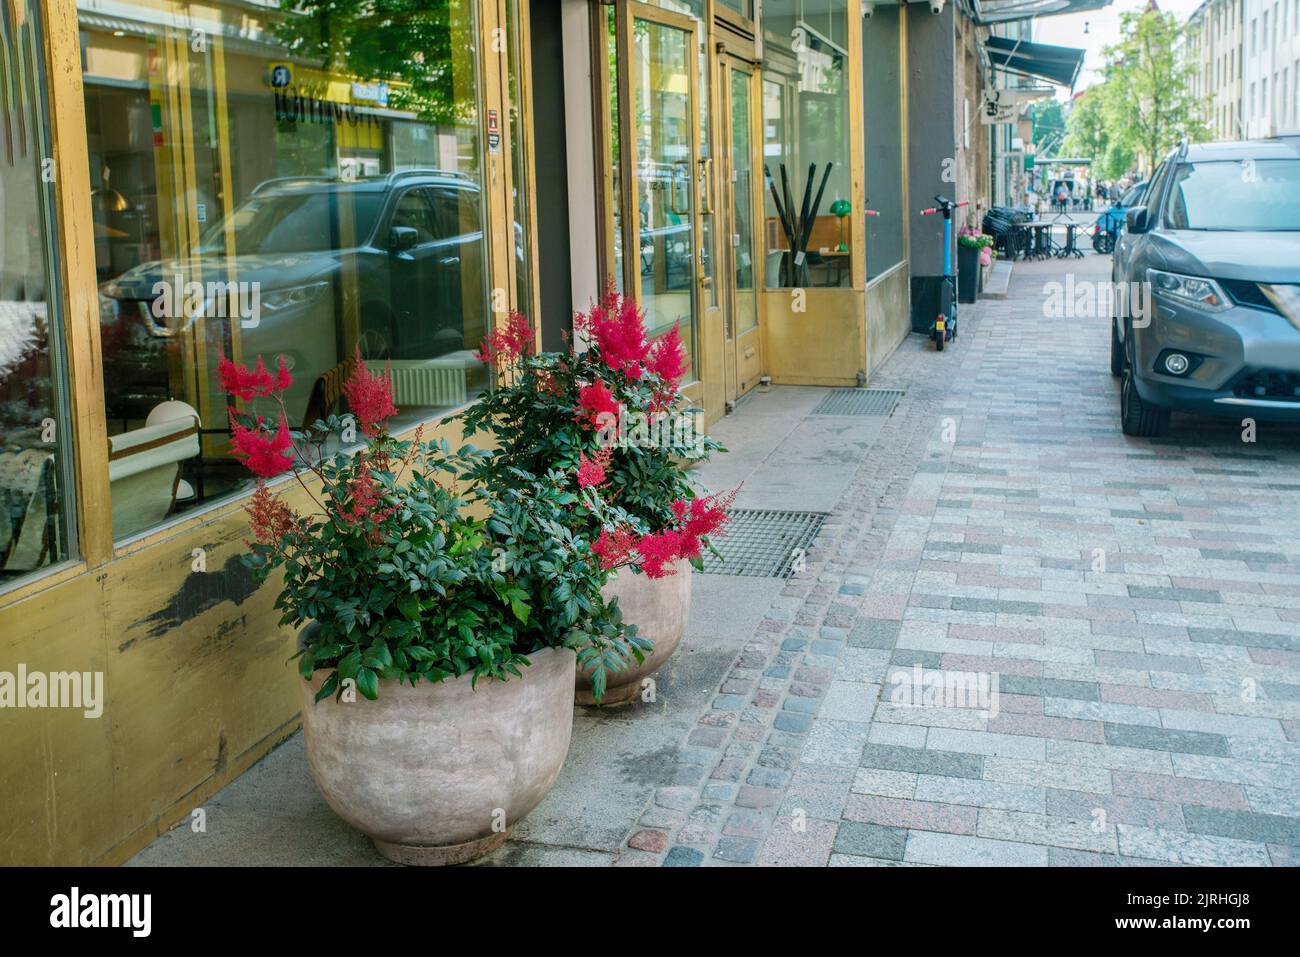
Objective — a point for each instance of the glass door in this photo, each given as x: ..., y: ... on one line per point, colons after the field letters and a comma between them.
x: 741, y: 357
x: 659, y: 123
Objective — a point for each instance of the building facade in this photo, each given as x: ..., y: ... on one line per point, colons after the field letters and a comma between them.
x: 191, y: 179
x: 1246, y: 56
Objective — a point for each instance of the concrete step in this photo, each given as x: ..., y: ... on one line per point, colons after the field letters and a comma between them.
x: 999, y: 280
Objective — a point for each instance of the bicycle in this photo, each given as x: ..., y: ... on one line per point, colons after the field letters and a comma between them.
x: 944, y: 326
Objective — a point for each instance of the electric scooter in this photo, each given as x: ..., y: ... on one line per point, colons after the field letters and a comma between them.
x: 945, y: 324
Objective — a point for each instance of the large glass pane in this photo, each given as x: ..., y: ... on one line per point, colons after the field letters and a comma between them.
x: 806, y: 125
x: 273, y: 179
x: 742, y: 201
x: 519, y: 179
x: 660, y: 72
x: 34, y: 441
x: 882, y: 102
x: 615, y: 198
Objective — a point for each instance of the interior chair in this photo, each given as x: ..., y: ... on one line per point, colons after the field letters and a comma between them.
x: 144, y: 467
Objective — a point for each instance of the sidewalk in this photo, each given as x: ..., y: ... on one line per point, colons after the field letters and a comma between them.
x: 1147, y: 711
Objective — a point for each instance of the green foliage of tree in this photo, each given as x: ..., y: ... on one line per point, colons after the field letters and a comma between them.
x: 426, y: 45
x: 1089, y: 135
x: 1144, y: 106
x: 1049, y: 123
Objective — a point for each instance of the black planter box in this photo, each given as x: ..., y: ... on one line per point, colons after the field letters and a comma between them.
x: 968, y: 273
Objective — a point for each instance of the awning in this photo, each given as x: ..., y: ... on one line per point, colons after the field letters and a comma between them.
x: 1059, y: 65
x: 1005, y: 11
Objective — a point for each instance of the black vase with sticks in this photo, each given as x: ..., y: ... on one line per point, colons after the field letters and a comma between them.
x: 798, y: 230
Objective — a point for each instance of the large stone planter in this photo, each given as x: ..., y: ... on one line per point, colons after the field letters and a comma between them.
x: 439, y: 773
x: 658, y: 607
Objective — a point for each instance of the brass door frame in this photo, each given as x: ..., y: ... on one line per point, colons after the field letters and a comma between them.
x: 627, y: 14
x: 734, y: 342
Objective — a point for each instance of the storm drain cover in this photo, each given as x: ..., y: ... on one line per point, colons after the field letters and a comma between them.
x: 859, y: 402
x: 763, y: 543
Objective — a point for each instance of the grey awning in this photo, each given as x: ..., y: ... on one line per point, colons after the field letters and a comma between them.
x: 1059, y: 65
x: 1005, y: 11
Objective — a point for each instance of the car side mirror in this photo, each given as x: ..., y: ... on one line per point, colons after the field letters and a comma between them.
x: 402, y: 238
x: 1136, y: 218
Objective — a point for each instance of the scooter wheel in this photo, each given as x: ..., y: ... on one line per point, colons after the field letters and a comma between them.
x: 939, y: 337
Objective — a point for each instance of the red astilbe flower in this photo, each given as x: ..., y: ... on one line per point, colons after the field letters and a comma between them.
x: 591, y: 471
x: 370, y: 397
x: 668, y: 358
x: 513, y: 341
x: 616, y: 328
x: 256, y: 383
x: 595, y: 403
x: 699, y: 518
x: 263, y: 454
x: 614, y: 548
x: 659, y: 552
x: 269, y: 518
x: 696, y: 519
x: 364, y: 504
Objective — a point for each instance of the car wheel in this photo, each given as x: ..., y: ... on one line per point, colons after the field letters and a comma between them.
x: 1137, y: 416
x: 1116, y: 351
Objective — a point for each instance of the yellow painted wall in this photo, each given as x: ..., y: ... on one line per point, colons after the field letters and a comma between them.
x: 197, y: 687
x: 822, y: 345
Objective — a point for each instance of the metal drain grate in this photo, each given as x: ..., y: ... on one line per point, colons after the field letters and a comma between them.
x: 859, y: 402
x: 764, y: 544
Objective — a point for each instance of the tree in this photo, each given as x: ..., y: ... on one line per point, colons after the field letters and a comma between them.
x: 1090, y: 136
x: 425, y: 45
x: 1146, y: 106
x: 1049, y: 126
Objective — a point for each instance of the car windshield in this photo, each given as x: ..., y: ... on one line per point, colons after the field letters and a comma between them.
x: 1225, y: 194
x: 297, y: 222
x: 1134, y: 195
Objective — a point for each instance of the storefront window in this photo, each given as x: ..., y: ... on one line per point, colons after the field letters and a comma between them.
x: 807, y: 227
x: 882, y: 102
x: 34, y: 439
x: 518, y: 149
x: 278, y: 179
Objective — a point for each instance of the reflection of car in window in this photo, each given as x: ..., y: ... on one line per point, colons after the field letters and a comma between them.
x: 394, y: 264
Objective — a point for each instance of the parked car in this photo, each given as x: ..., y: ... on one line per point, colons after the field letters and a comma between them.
x: 1217, y: 238
x: 1111, y: 222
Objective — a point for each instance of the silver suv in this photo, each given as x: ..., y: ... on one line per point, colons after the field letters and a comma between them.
x: 1210, y: 264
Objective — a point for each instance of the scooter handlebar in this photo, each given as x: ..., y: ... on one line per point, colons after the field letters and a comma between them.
x: 929, y: 210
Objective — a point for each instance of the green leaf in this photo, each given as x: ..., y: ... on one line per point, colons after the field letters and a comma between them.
x: 368, y: 683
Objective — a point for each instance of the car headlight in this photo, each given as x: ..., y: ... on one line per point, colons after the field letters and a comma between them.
x: 292, y: 296
x: 1194, y: 290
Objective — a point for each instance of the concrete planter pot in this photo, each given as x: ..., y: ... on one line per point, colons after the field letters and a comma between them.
x: 659, y: 608
x: 432, y: 773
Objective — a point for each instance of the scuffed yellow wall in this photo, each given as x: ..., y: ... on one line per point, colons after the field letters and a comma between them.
x: 197, y: 687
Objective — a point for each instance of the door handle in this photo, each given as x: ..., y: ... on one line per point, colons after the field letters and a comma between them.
x: 673, y: 194
x: 706, y: 186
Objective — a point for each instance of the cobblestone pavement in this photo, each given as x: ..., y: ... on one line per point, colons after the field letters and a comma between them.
x: 1136, y: 601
